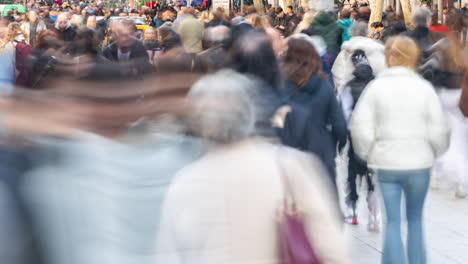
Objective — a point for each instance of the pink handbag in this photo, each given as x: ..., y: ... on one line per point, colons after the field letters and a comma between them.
x: 295, y: 245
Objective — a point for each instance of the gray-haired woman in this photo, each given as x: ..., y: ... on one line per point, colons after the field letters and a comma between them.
x: 222, y: 208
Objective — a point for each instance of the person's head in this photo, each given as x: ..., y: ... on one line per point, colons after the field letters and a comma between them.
x: 345, y: 14
x: 13, y: 32
x: 402, y: 51
x: 32, y: 16
x: 279, y: 12
x: 422, y: 17
x: 224, y: 111
x: 21, y: 18
x: 218, y: 35
x: 456, y: 5
x: 62, y: 22
x: 149, y: 34
x: 124, y: 33
x: 252, y: 53
x: 358, y: 29
x: 258, y: 21
x: 168, y: 38
x: 77, y: 21
x: 301, y: 61
x: 218, y: 14
x: 91, y: 23
x: 289, y: 10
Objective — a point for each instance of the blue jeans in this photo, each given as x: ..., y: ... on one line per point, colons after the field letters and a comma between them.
x: 414, y: 184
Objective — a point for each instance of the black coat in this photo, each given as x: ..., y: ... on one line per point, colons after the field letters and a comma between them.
x: 316, y: 123
x: 139, y: 58
x: 67, y: 35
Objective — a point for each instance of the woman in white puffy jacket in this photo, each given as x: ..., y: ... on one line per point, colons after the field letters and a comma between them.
x: 399, y: 128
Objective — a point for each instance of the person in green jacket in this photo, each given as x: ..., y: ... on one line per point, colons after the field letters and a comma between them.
x: 324, y: 25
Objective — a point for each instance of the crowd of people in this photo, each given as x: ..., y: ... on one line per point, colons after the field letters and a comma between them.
x: 186, y: 134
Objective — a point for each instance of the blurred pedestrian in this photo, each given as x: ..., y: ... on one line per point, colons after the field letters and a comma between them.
x: 190, y: 31
x: 8, y: 58
x: 33, y: 26
x: 64, y: 28
x: 239, y: 223
x: 128, y: 49
x: 307, y: 86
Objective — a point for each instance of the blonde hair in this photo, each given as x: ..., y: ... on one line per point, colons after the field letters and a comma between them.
x: 402, y: 51
x: 14, y: 30
x: 91, y: 23
x: 259, y: 22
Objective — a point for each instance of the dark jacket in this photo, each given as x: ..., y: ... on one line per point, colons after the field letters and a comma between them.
x: 316, y: 123
x: 67, y: 35
x: 211, y: 59
x: 424, y: 37
x: 363, y: 75
x: 138, y: 57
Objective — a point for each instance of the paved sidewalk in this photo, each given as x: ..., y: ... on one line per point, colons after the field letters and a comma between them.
x: 446, y: 229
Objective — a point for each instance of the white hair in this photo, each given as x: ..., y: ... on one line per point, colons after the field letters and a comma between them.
x: 217, y: 34
x: 62, y: 16
x: 224, y: 110
x: 421, y: 16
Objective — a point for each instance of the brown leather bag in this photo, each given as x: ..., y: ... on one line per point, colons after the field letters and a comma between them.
x: 464, y: 97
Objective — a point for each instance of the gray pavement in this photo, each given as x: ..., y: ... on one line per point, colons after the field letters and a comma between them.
x: 446, y: 229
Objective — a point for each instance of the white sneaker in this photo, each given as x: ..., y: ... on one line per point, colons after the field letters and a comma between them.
x: 373, y: 224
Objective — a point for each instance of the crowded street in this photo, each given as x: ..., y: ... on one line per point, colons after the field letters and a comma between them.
x: 233, y: 132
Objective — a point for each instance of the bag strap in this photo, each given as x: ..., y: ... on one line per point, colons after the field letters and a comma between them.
x: 287, y: 187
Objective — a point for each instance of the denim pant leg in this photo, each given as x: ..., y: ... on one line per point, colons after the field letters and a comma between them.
x: 415, y: 188
x: 391, y: 190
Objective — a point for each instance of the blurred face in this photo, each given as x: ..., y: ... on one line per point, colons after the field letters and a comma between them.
x: 456, y: 5
x: 289, y: 10
x: 62, y: 22
x: 124, y: 37
x: 32, y: 17
x: 149, y: 34
x: 280, y: 15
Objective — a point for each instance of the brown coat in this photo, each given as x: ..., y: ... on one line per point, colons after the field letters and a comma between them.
x: 464, y: 96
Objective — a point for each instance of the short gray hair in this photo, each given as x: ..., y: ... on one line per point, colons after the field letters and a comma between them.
x: 217, y: 35
x: 358, y: 29
x: 224, y: 111
x: 421, y: 16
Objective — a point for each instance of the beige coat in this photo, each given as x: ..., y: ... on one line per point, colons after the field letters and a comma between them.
x: 222, y: 208
x: 191, y: 34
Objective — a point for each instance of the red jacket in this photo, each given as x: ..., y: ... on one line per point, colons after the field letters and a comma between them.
x: 440, y: 28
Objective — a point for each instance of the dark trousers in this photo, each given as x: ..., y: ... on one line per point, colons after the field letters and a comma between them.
x: 356, y: 168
